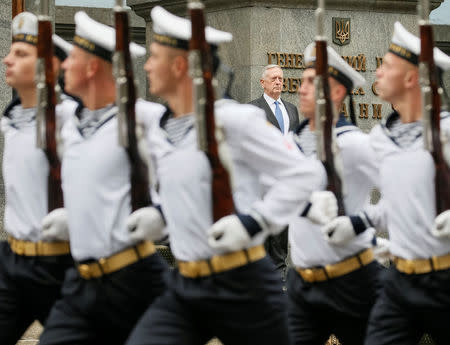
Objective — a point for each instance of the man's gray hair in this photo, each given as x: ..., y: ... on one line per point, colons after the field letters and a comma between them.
x: 263, y: 75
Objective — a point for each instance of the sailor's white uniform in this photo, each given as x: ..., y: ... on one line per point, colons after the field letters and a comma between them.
x: 25, y: 172
x: 344, y: 300
x: 31, y: 267
x: 332, y: 286
x: 101, y: 308
x: 29, y: 284
x: 407, y: 183
x: 415, y: 298
x: 96, y: 185
x: 308, y: 245
x: 184, y: 177
x: 224, y: 299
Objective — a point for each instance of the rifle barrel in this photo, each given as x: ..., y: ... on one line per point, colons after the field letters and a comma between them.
x: 200, y: 66
x: 18, y: 6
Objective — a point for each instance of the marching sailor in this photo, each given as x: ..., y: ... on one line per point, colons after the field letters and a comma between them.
x: 117, y: 273
x: 333, y: 283
x: 37, y: 254
x: 225, y: 284
x: 416, y: 296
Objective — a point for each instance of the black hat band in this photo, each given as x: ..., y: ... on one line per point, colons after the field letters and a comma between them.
x: 171, y: 41
x: 59, y: 53
x: 92, y: 48
x: 404, y: 53
x: 336, y: 74
x: 27, y: 38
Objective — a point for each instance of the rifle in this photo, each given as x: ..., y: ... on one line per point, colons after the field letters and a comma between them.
x: 126, y: 118
x: 431, y: 109
x: 200, y: 66
x: 325, y: 112
x: 46, y: 102
x: 18, y: 6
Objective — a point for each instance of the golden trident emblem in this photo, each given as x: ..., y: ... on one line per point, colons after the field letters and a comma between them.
x: 341, y: 31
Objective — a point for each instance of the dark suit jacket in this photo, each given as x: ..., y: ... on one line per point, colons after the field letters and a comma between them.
x: 291, y: 110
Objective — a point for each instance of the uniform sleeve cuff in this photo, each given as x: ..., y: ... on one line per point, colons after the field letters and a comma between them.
x: 159, y: 208
x: 358, y: 224
x: 306, y: 210
x: 250, y: 224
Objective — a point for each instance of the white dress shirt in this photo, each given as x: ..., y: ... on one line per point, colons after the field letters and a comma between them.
x: 271, y: 102
x: 96, y: 184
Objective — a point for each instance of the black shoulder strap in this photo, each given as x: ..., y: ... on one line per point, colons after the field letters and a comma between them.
x: 14, y: 102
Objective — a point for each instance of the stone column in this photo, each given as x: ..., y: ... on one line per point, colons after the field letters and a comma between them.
x: 272, y: 31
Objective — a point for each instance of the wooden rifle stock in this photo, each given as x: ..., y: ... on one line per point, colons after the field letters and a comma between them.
x: 18, y: 6
x: 325, y: 115
x: 201, y: 69
x: 46, y: 116
x: 432, y: 109
x: 126, y: 100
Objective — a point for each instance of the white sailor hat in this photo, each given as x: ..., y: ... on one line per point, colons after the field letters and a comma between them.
x: 407, y: 46
x: 174, y: 31
x: 24, y: 28
x: 338, y: 68
x: 61, y: 47
x: 98, y: 39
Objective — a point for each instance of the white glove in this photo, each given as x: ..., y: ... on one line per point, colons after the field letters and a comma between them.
x: 228, y: 234
x: 323, y: 207
x: 54, y: 226
x: 339, y: 230
x: 381, y: 251
x: 441, y: 226
x: 146, y: 223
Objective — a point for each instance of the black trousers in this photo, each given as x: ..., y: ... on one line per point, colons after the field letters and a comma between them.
x: 241, y: 306
x: 104, y: 310
x: 29, y: 285
x: 277, y: 248
x: 409, y: 306
x: 339, y: 306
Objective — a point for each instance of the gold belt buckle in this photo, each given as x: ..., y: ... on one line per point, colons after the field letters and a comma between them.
x: 103, y: 265
x: 39, y: 248
x: 409, y: 266
x: 85, y: 271
x: 20, y: 247
x: 191, y: 268
x: 308, y: 275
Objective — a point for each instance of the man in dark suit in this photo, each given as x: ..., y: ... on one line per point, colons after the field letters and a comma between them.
x: 284, y: 116
x: 280, y: 113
